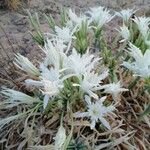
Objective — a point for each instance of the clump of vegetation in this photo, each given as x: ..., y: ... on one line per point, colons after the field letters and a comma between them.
x: 82, y: 95
x: 10, y: 4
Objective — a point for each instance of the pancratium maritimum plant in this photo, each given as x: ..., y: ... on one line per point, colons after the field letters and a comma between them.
x: 96, y: 111
x: 114, y: 89
x: 141, y: 64
x: 24, y: 64
x: 126, y: 14
x: 80, y: 64
x: 75, y: 20
x: 125, y: 33
x: 89, y: 82
x: 65, y: 34
x: 74, y: 98
x: 143, y: 25
x: 100, y: 16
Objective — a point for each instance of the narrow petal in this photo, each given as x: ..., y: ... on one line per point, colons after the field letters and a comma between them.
x: 46, y: 99
x: 102, y: 99
x: 30, y: 82
x: 92, y: 94
x: 92, y: 125
x: 80, y: 114
x: 88, y: 100
x: 105, y: 123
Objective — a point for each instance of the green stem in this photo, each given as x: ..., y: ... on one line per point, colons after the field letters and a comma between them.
x: 97, y: 36
x: 71, y: 132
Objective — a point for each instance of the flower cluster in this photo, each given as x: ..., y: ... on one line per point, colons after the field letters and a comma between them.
x: 74, y: 78
x: 100, y: 15
x: 126, y: 14
x: 143, y: 25
x: 62, y: 63
x: 125, y: 33
x: 141, y: 64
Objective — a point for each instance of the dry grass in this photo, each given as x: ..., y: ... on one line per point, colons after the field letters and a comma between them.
x: 11, y: 4
x: 37, y: 129
x: 14, y: 4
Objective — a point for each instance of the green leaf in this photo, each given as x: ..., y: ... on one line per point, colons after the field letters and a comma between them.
x: 38, y: 37
x: 50, y: 21
x: 63, y: 17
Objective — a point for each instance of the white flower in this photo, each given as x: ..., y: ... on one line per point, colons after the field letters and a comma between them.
x: 53, y: 55
x: 126, y: 14
x: 96, y: 111
x: 80, y: 64
x: 24, y: 64
x: 135, y: 52
x: 91, y: 82
x: 18, y: 97
x: 52, y: 74
x: 114, y: 88
x: 125, y: 33
x: 143, y: 25
x: 52, y: 81
x: 141, y: 64
x: 52, y: 88
x: 76, y: 20
x: 60, y: 138
x: 59, y: 45
x: 100, y: 15
x: 65, y: 34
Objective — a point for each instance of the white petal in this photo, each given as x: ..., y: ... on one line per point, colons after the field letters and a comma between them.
x: 88, y: 99
x: 24, y: 64
x: 30, y: 82
x: 68, y: 76
x: 74, y: 84
x: 92, y: 125
x: 92, y: 94
x: 80, y: 114
x: 46, y: 99
x: 102, y: 99
x: 105, y: 123
x: 60, y: 138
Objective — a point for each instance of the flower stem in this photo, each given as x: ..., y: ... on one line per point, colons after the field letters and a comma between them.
x: 71, y: 131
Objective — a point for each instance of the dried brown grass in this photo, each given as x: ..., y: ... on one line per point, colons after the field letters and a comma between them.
x: 11, y: 4
x: 128, y: 131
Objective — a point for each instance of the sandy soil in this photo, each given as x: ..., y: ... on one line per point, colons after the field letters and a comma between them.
x: 14, y: 25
